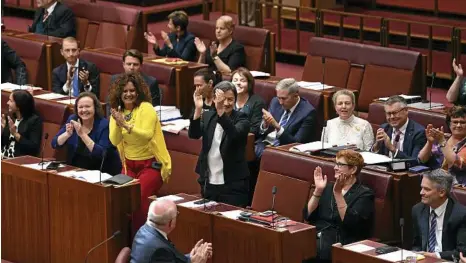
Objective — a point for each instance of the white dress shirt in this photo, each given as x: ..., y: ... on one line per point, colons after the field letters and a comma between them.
x: 353, y: 130
x: 214, y: 158
x: 67, y: 89
x: 401, y: 141
x: 51, y: 8
x: 440, y: 212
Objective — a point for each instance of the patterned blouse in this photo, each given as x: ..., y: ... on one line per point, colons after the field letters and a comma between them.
x: 354, y: 130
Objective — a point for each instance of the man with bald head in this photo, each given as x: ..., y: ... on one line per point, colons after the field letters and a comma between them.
x: 151, y: 242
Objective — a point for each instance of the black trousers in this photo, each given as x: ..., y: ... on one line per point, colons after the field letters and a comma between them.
x: 233, y: 193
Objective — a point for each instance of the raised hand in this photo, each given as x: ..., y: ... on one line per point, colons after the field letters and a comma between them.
x: 165, y: 38
x: 69, y: 129
x: 197, y: 98
x: 429, y: 135
x: 200, y: 46
x: 213, y: 49
x: 84, y: 76
x: 340, y: 182
x: 150, y: 38
x: 438, y: 135
x: 78, y: 127
x: 319, y: 180
x: 3, y: 121
x: 11, y: 126
x: 457, y: 68
x: 118, y: 117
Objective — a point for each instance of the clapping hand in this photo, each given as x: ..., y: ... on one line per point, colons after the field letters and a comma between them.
x: 429, y: 135
x: 269, y: 119
x: 166, y: 39
x: 457, y: 68
x: 340, y: 182
x: 201, y: 252
x: 118, y: 117
x: 213, y: 49
x: 438, y: 135
x: 150, y: 38
x: 11, y: 126
x: 219, y: 101
x: 3, y: 121
x: 84, y: 76
x: 200, y: 46
x: 319, y: 180
x: 197, y: 98
x: 78, y: 127
x: 69, y: 129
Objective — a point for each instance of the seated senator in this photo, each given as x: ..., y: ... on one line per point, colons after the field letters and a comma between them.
x: 447, y: 153
x: 347, y: 128
x: 76, y: 75
x: 342, y: 211
x: 248, y: 102
x: 178, y: 43
x: 11, y: 61
x: 457, y: 91
x: 205, y: 81
x: 21, y: 126
x: 439, y: 222
x: 225, y: 54
x: 85, y: 134
x: 290, y: 118
x: 151, y: 244
x: 222, y: 167
x: 401, y: 137
x: 53, y: 18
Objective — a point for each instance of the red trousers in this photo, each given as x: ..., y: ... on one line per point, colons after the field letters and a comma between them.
x: 150, y: 181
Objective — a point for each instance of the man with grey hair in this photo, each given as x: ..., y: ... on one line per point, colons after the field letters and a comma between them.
x: 290, y: 118
x: 401, y: 137
x: 151, y: 242
x: 439, y: 222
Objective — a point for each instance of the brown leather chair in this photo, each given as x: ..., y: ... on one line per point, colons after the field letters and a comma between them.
x: 287, y: 188
x: 100, y: 25
x: 256, y: 41
x: 372, y: 70
x: 34, y: 56
x: 110, y: 64
x: 124, y: 255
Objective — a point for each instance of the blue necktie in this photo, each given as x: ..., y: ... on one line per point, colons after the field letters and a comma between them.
x: 432, y: 230
x: 282, y: 124
x: 76, y: 84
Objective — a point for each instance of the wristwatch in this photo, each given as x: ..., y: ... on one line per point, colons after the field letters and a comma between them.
x: 443, y: 144
x: 215, y: 58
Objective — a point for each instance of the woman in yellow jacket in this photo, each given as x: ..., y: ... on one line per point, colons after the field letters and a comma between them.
x: 136, y: 131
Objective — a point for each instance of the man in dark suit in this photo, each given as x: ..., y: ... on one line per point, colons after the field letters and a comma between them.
x: 132, y: 62
x: 290, y: 118
x: 11, y: 61
x: 151, y: 244
x: 400, y: 138
x: 53, y: 18
x: 439, y: 222
x: 222, y: 167
x: 76, y: 75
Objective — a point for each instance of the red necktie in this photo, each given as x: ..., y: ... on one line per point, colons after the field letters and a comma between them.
x: 46, y: 15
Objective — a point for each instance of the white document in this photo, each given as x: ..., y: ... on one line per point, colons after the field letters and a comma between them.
x: 310, y: 147
x: 175, y: 126
x: 50, y: 96
x: 426, y: 105
x: 406, y: 97
x: 305, y: 84
x: 259, y: 74
x: 91, y: 176
x: 67, y: 101
x: 374, y: 158
x: 234, y: 214
x: 11, y: 86
x: 38, y: 166
x: 319, y: 87
x: 192, y: 204
x: 396, y: 256
x: 359, y: 248
x: 173, y: 198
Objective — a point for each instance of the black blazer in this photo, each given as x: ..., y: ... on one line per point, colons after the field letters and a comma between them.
x: 59, y: 76
x: 10, y: 60
x: 61, y: 23
x: 232, y: 147
x: 184, y: 48
x: 31, y: 135
x: 453, y: 231
x: 415, y: 139
x: 253, y: 108
x: 356, y: 225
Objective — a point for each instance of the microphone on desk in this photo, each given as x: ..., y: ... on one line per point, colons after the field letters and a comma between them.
x: 430, y: 92
x: 402, y: 223
x: 46, y: 136
x: 104, y: 154
x: 274, y: 192
x: 101, y: 243
x: 323, y: 73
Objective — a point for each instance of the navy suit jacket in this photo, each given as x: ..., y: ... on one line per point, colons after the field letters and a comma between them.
x: 415, y: 139
x: 59, y: 76
x: 453, y: 229
x: 99, y: 135
x: 150, y: 246
x: 184, y: 48
x: 61, y: 22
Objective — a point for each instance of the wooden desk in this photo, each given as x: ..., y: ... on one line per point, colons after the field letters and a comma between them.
x: 52, y: 218
x: 237, y: 241
x: 184, y: 83
x: 340, y: 254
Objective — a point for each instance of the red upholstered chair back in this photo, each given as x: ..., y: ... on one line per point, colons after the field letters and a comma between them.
x: 459, y: 194
x: 291, y: 197
x: 124, y: 255
x: 33, y: 55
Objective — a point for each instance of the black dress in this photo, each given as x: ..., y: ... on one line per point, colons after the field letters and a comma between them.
x: 233, y: 55
x: 357, y: 223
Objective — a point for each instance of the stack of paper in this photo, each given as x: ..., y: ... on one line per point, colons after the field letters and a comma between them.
x: 68, y: 101
x: 50, y: 96
x: 259, y: 74
x: 168, y: 113
x: 175, y: 126
x: 193, y: 205
x: 38, y: 166
x: 313, y: 85
x: 375, y: 158
x: 406, y: 97
x: 310, y: 147
x: 234, y: 214
x: 91, y: 176
x: 11, y: 86
x: 173, y: 198
x: 426, y: 105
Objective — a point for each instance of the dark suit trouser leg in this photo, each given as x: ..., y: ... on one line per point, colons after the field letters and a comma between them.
x: 233, y: 193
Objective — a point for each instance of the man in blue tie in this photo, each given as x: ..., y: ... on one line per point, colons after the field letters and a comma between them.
x: 290, y: 118
x: 76, y: 75
x: 439, y: 222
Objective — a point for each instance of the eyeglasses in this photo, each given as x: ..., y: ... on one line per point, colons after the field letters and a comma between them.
x: 394, y: 113
x: 339, y: 165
